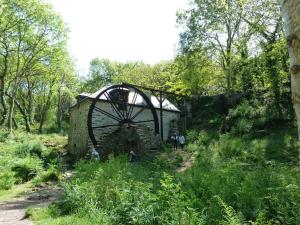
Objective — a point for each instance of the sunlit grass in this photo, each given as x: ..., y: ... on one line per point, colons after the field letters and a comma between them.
x: 16, y: 191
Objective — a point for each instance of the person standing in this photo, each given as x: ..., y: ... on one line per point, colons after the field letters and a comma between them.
x: 181, y: 140
x: 95, y: 154
x: 132, y: 156
x: 174, y: 139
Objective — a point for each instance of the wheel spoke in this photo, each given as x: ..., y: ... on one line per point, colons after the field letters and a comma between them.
x: 107, y: 114
x: 132, y: 104
x: 124, y: 103
x: 143, y: 121
x: 104, y: 126
x: 109, y: 98
x: 141, y: 110
x: 120, y: 97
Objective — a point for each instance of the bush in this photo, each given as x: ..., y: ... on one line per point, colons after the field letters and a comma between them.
x: 256, y: 151
x: 37, y: 149
x: 178, y: 160
x: 291, y: 149
x: 4, y: 135
x: 203, y: 138
x: 249, y: 176
x: 27, y: 168
x: 25, y: 157
x: 173, y: 205
x: 51, y: 174
x: 7, y: 180
x: 31, y: 148
x: 229, y: 146
x: 166, y: 147
x: 247, y: 117
x: 191, y: 136
x: 128, y: 193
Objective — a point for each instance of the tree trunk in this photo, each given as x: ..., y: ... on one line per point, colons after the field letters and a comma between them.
x: 45, y: 111
x: 3, y: 103
x: 30, y: 107
x: 23, y: 112
x: 291, y: 16
x: 30, y: 110
x: 10, y: 115
x: 15, y: 123
x: 59, y: 109
x: 2, y: 87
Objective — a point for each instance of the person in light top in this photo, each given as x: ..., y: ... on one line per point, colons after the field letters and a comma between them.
x: 132, y: 156
x: 95, y: 154
x: 181, y: 140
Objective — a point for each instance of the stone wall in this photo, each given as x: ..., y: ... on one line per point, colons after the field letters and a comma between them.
x: 79, y: 142
x: 78, y: 132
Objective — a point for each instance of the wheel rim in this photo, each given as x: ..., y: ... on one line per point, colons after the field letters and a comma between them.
x: 123, y: 110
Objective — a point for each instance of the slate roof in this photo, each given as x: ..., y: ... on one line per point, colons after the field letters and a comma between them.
x: 167, y: 105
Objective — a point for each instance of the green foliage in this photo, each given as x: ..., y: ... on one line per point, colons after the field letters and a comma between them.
x: 203, y: 138
x: 166, y: 147
x: 126, y: 193
x: 37, y: 149
x: 255, y: 178
x: 39, y: 68
x: 245, y: 117
x: 178, y: 160
x: 191, y: 135
x: 7, y: 180
x: 51, y: 174
x: 231, y: 217
x: 4, y: 135
x: 24, y: 157
x: 249, y: 177
x: 174, y: 205
x: 230, y: 146
x: 27, y: 168
x: 197, y: 74
x: 30, y: 148
x: 101, y: 73
x: 291, y: 149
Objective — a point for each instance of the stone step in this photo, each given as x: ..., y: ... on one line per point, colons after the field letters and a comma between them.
x: 154, y: 153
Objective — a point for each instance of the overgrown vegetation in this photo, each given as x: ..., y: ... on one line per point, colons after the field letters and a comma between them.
x: 119, y: 192
x: 245, y: 176
x: 25, y: 157
x: 251, y: 175
x: 232, y: 63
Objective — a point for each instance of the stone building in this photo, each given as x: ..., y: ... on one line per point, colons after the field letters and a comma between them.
x: 119, y: 118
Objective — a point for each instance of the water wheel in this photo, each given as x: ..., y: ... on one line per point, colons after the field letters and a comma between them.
x: 126, y: 105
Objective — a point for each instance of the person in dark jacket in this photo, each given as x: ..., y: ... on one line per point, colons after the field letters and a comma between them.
x: 174, y: 139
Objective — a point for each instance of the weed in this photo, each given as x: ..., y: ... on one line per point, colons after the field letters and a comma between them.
x: 7, y: 180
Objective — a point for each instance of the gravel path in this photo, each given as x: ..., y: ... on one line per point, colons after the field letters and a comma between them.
x: 13, y: 212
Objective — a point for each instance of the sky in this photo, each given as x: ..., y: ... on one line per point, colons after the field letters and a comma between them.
x: 120, y: 30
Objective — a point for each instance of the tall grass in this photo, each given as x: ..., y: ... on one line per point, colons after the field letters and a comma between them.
x: 120, y: 192
x: 257, y: 178
x: 24, y: 157
x: 236, y: 179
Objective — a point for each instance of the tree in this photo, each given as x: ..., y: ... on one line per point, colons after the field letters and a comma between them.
x: 197, y: 74
x: 214, y: 25
x: 265, y: 20
x: 101, y: 73
x: 290, y: 12
x: 32, y: 40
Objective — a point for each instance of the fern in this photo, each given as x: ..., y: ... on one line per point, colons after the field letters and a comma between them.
x: 230, y: 216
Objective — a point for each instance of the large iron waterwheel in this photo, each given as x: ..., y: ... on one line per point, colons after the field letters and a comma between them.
x: 126, y: 105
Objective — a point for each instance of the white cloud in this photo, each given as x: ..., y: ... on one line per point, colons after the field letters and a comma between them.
x: 120, y: 30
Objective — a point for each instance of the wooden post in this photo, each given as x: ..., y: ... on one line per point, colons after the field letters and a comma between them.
x: 161, y: 116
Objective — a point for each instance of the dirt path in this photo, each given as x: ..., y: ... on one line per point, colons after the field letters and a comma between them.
x: 12, y: 212
x: 187, y: 162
